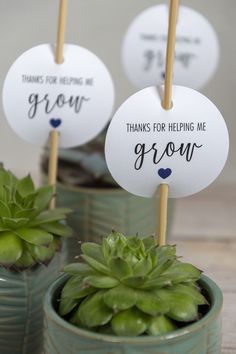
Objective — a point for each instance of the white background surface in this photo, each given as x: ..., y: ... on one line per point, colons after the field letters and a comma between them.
x: 100, y: 26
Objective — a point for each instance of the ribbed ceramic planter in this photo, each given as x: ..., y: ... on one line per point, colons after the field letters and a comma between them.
x: 98, y: 211
x: 21, y: 306
x: 202, y: 337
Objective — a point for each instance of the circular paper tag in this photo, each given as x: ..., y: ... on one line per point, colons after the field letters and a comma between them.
x: 144, y: 48
x: 75, y: 97
x: 185, y: 147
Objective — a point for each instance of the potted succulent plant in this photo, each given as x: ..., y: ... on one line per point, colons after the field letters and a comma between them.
x: 99, y: 204
x: 30, y: 259
x: 129, y: 295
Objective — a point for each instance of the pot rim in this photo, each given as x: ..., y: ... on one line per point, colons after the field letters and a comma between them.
x: 209, y: 285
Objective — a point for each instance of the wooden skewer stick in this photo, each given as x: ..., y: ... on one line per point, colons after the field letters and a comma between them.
x: 170, y: 54
x: 54, y: 135
x: 53, y: 162
x: 61, y: 31
x: 163, y: 211
x: 167, y: 104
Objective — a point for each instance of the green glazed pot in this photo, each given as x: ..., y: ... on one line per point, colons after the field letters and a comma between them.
x: 202, y: 337
x: 21, y: 306
x: 98, y: 211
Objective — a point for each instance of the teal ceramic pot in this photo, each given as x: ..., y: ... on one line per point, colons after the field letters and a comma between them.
x: 21, y: 306
x: 98, y: 211
x: 202, y: 337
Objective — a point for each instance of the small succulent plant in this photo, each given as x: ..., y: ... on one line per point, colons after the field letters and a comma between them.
x: 129, y: 286
x: 29, y: 233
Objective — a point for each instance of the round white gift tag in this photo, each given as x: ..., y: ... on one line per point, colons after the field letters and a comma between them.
x: 75, y: 97
x: 144, y: 48
x: 185, y: 147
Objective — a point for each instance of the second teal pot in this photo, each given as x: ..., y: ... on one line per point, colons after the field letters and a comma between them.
x: 21, y: 306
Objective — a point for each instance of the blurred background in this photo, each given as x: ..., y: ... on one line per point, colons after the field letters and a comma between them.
x: 100, y: 26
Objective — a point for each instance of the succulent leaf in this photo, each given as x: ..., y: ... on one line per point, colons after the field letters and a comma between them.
x: 67, y: 305
x: 26, y: 260
x: 94, y: 251
x: 101, y: 281
x: 50, y: 216
x: 120, y: 268
x: 25, y: 186
x: 79, y: 269
x: 97, y: 266
x: 14, y: 223
x: 35, y: 236
x: 93, y: 312
x: 160, y: 325
x: 4, y: 210
x: 130, y: 322
x: 182, y: 272
x: 120, y: 298
x: 10, y: 248
x: 182, y: 306
x: 76, y: 289
x: 150, y: 303
x: 57, y: 229
x: 44, y: 196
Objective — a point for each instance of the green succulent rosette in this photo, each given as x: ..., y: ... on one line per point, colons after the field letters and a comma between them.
x: 30, y: 234
x: 129, y: 286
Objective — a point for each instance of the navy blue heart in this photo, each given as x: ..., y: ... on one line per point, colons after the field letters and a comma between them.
x: 164, y: 172
x: 55, y: 123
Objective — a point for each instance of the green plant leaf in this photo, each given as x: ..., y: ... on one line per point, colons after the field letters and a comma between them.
x: 165, y: 252
x: 10, y: 248
x: 25, y: 261
x: 78, y: 268
x: 182, y: 306
x: 182, y: 272
x: 44, y: 196
x: 100, y: 281
x: 15, y: 223
x: 5, y: 178
x: 192, y: 291
x: 160, y: 325
x: 135, y: 282
x: 143, y: 266
x: 130, y: 322
x: 120, y: 298
x: 57, y: 228
x: 42, y: 254
x: 150, y: 303
x: 95, y: 264
x: 75, y: 289
x: 155, y: 283
x: 93, y: 312
x: 149, y: 242
x: 25, y: 186
x: 161, y: 268
x: 4, y: 210
x: 35, y: 236
x: 120, y: 268
x: 50, y: 216
x: 28, y: 201
x: 25, y: 213
x: 94, y: 251
x: 66, y: 305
